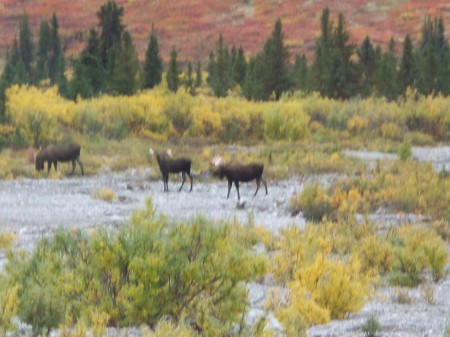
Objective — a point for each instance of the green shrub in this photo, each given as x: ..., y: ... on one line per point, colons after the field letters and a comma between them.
x: 371, y: 327
x: 314, y: 201
x: 404, y: 152
x: 151, y: 269
x: 416, y: 249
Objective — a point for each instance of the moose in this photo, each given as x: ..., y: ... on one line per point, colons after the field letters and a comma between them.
x: 236, y: 172
x: 54, y: 153
x: 167, y: 165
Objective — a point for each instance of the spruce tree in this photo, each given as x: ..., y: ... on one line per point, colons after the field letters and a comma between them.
x: 124, y: 77
x: 386, y: 77
x: 189, y: 81
x: 110, y: 21
x: 89, y: 74
x: 153, y: 67
x: 300, y: 73
x: 173, y: 72
x: 26, y: 47
x: 273, y: 69
x: 407, y: 71
x: 367, y: 64
x: 219, y: 69
x: 345, y: 74
x: 56, y: 62
x: 43, y: 51
x: 433, y: 59
x: 321, y: 68
x: 198, y: 75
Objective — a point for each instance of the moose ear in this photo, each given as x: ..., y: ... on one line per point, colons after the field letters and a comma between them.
x: 216, y: 160
x: 151, y: 152
x: 169, y: 152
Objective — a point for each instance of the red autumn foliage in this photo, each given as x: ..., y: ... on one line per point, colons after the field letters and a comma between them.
x: 193, y: 26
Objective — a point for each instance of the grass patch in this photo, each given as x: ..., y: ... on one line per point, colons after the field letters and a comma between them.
x: 104, y: 194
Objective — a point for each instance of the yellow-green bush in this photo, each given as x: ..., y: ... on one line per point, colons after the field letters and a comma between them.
x: 328, y: 289
x: 314, y: 201
x: 414, y: 250
x: 151, y: 269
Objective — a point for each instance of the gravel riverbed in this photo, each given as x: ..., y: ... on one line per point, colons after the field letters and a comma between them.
x: 33, y: 208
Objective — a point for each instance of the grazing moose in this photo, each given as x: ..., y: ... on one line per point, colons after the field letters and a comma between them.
x: 54, y: 153
x: 236, y: 173
x: 167, y: 165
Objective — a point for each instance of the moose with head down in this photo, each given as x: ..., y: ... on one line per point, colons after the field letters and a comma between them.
x: 167, y: 165
x: 236, y: 172
x: 63, y: 153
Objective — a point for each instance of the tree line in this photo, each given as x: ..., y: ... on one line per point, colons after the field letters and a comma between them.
x: 109, y: 64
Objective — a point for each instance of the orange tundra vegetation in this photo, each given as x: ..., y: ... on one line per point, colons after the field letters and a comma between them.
x: 193, y: 26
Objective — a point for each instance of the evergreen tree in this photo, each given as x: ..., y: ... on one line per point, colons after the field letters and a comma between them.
x: 80, y: 84
x: 153, y: 67
x: 433, y: 59
x: 43, y: 51
x: 89, y: 74
x: 300, y: 73
x: 273, y: 69
x: 110, y: 21
x: 238, y: 65
x: 367, y: 64
x: 56, y: 62
x: 219, y: 69
x: 321, y: 68
x: 189, y: 82
x: 334, y: 72
x: 26, y: 47
x: 198, y: 75
x: 124, y: 77
x: 345, y: 75
x: 173, y: 72
x: 407, y: 71
x: 386, y: 77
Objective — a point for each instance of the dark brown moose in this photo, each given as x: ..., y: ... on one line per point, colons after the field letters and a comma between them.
x: 167, y: 165
x: 235, y: 173
x: 52, y: 154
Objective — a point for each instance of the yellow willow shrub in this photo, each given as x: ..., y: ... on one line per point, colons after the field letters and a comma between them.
x: 168, y: 328
x: 239, y: 119
x: 320, y: 108
x: 357, y: 125
x: 414, y: 187
x: 427, y: 114
x: 9, y: 301
x: 205, y: 122
x: 416, y: 249
x: 286, y: 120
x: 328, y: 289
x: 296, y: 247
x: 36, y: 112
x: 375, y: 254
x: 178, y: 111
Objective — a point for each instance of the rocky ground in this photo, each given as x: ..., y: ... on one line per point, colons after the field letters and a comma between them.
x: 33, y: 208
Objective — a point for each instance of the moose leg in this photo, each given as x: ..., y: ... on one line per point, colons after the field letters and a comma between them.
x: 166, y: 182
x: 258, y: 182
x: 81, y: 165
x: 190, y: 177
x: 236, y: 183
x: 183, y: 177
x: 264, y: 183
x: 73, y: 166
x: 229, y: 188
x: 49, y: 166
x: 55, y: 164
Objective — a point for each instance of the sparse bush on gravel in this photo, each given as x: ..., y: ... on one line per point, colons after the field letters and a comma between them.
x: 193, y: 272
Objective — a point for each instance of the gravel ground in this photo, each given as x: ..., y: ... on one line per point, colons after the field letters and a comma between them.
x: 33, y: 208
